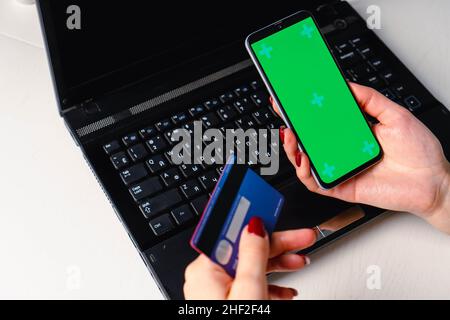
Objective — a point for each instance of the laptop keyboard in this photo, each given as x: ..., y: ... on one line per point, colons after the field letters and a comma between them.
x: 171, y: 196
x: 361, y: 64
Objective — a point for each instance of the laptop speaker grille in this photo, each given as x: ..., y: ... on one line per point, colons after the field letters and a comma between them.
x: 165, y: 97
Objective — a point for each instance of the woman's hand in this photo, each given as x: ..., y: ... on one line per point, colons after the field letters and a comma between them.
x: 204, y: 280
x: 413, y: 176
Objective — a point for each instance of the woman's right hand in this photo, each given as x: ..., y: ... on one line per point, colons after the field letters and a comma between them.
x: 413, y: 176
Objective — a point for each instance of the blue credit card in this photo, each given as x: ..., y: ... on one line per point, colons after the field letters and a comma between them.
x: 239, y: 195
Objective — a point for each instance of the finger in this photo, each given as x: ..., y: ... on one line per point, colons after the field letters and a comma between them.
x: 287, y: 263
x: 376, y: 105
x: 292, y: 240
x: 290, y: 145
x: 281, y: 293
x: 304, y: 174
x: 205, y: 280
x: 300, y: 161
x: 275, y: 106
x: 250, y: 281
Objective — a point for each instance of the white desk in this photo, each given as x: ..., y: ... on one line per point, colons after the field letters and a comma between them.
x: 59, y: 237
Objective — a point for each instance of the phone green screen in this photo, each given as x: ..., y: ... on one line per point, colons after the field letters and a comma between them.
x: 316, y: 100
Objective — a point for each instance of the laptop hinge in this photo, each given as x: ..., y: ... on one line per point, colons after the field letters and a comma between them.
x: 88, y: 107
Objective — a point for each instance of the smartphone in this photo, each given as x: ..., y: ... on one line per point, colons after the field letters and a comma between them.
x: 314, y: 98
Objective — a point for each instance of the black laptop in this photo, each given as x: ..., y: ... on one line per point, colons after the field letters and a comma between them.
x: 127, y: 73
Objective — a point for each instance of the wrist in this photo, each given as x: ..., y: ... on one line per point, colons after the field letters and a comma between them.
x: 440, y: 214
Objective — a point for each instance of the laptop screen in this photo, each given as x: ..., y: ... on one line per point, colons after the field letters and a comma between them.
x: 97, y: 46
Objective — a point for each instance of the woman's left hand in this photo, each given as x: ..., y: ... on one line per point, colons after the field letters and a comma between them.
x: 204, y: 280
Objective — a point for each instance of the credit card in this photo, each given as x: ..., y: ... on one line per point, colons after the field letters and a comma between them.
x: 240, y: 194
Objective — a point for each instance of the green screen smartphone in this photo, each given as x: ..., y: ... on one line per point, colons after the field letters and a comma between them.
x: 314, y: 98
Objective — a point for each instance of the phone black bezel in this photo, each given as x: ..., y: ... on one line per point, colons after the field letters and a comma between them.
x: 281, y: 25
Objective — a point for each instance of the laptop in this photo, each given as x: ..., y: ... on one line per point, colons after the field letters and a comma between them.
x: 126, y: 74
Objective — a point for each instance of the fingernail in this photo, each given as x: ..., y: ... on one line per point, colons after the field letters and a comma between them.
x: 282, y: 134
x: 307, y: 260
x: 256, y: 226
x: 298, y: 158
x: 295, y: 292
x: 271, y: 100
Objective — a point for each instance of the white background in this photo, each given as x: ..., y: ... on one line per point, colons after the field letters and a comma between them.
x: 59, y: 237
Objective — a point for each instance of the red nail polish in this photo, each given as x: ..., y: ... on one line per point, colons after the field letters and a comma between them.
x: 298, y: 158
x: 282, y: 134
x: 271, y: 100
x: 256, y: 226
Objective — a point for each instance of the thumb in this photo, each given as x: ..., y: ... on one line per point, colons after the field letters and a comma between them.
x: 376, y: 105
x: 250, y: 281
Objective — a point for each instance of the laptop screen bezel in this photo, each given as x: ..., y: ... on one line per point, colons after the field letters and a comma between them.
x: 68, y: 97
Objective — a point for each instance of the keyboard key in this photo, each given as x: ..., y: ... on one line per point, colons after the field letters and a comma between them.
x: 161, y: 225
x: 263, y: 116
x: 388, y: 77
x: 170, y: 156
x: 399, y: 90
x: 146, y: 188
x: 360, y: 72
x: 156, y: 144
x: 226, y: 113
x: 160, y: 203
x: 111, y: 147
x: 343, y: 47
x: 210, y: 120
x: 357, y: 41
x: 171, y: 177
x: 130, y: 139
x: 261, y: 99
x: 212, y: 104
x: 120, y: 160
x: 196, y: 111
x: 189, y: 127
x: 275, y: 124
x: 209, y: 180
x: 373, y: 82
x: 256, y: 85
x: 366, y: 52
x: 170, y: 136
x: 164, y: 125
x: 377, y: 64
x: 246, y: 123
x: 413, y: 103
x: 188, y: 148
x: 242, y: 91
x: 133, y: 174
x: 220, y: 170
x: 349, y: 59
x: 157, y: 163
x: 190, y: 170
x: 389, y: 94
x: 182, y: 215
x: 147, y: 133
x: 138, y: 152
x: 227, y: 97
x: 180, y: 118
x: 199, y: 204
x: 228, y: 126
x: 244, y: 106
x: 191, y: 189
